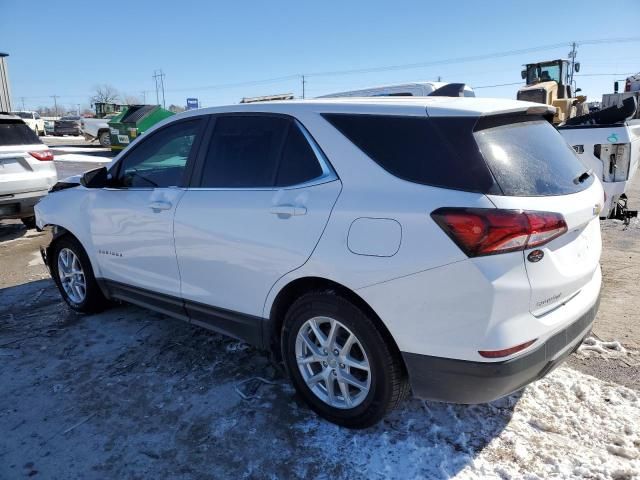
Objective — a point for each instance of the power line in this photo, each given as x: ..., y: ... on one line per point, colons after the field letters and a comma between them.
x: 498, y: 85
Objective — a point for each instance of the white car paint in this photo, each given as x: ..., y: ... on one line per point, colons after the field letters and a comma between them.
x: 229, y: 250
x: 414, y: 89
x: 33, y: 120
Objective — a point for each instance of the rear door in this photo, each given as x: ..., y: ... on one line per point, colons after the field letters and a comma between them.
x: 262, y: 199
x: 537, y: 170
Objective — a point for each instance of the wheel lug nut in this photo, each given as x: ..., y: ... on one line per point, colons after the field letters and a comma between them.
x: 324, y: 364
x: 336, y: 352
x: 334, y: 373
x: 342, y: 365
x: 325, y: 351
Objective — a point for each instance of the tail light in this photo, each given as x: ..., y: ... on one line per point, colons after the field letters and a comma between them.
x: 489, y: 231
x: 42, y: 155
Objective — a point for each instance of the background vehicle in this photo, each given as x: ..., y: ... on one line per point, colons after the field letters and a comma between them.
x: 549, y: 83
x: 69, y: 125
x: 49, y: 126
x: 27, y: 171
x: 608, y: 142
x: 474, y: 274
x: 98, y: 128
x: 416, y: 89
x: 33, y: 121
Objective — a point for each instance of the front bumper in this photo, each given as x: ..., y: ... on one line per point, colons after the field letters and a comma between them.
x: 469, y: 382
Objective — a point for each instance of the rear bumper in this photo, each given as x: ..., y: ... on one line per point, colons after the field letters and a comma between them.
x: 470, y: 382
x: 20, y: 205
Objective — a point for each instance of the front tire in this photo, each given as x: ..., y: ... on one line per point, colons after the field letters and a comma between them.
x: 71, y: 270
x: 339, y: 361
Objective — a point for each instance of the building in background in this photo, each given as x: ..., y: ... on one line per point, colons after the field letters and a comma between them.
x: 5, y: 91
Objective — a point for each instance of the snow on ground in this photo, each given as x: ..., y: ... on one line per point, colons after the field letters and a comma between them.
x: 607, y: 349
x: 568, y: 425
x: 76, y: 157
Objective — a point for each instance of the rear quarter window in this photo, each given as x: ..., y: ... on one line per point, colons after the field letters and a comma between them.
x: 531, y: 159
x: 13, y: 132
x: 440, y: 152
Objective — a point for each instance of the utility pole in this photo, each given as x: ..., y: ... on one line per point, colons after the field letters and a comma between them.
x: 439, y: 78
x: 55, y: 103
x: 78, y: 105
x: 144, y: 97
x: 572, y: 55
x: 158, y: 77
x: 304, y: 82
x: 22, y: 98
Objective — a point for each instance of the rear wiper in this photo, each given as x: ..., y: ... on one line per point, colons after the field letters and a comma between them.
x: 582, y: 177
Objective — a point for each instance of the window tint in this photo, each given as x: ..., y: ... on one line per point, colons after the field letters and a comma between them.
x: 298, y: 164
x: 531, y: 159
x: 14, y: 132
x: 439, y: 151
x: 244, y: 152
x: 160, y: 160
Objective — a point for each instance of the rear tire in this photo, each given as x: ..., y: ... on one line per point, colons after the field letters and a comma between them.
x: 361, y: 374
x: 29, y: 222
x: 71, y: 271
x: 104, y: 139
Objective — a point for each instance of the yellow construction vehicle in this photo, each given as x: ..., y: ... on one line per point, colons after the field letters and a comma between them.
x: 551, y: 83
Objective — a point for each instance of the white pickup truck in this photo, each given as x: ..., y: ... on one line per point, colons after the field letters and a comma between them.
x: 613, y: 153
x: 97, y: 129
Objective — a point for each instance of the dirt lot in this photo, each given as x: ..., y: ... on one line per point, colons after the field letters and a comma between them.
x: 132, y: 394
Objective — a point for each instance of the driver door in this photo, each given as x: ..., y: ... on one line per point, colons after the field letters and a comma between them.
x: 131, y: 221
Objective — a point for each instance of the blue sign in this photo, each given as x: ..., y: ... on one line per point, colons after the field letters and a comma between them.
x: 192, y: 103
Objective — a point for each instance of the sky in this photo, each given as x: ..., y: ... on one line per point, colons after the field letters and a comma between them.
x: 221, y: 51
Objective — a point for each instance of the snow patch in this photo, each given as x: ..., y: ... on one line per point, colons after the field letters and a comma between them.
x: 568, y: 425
x: 608, y: 349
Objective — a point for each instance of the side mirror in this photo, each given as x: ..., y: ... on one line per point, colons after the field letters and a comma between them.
x: 578, y: 90
x: 97, y: 178
x: 523, y: 74
x: 577, y: 66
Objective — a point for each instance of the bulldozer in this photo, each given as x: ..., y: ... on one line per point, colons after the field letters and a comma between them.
x: 549, y: 83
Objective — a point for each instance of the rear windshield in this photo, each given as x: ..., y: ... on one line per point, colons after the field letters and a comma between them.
x: 531, y: 159
x: 13, y: 132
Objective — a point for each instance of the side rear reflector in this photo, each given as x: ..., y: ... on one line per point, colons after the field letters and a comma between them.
x: 489, y: 231
x: 507, y: 351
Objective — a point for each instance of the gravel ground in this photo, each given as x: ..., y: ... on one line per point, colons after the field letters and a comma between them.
x: 132, y: 394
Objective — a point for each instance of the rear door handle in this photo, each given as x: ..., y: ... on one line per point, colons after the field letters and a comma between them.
x: 288, y: 210
x: 159, y: 205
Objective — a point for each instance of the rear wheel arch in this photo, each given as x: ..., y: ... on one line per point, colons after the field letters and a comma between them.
x: 301, y: 286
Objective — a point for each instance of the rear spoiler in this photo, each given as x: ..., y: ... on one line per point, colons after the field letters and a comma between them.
x: 497, y: 119
x: 449, y: 90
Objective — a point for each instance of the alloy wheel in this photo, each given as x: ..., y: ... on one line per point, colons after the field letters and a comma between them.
x: 333, y: 362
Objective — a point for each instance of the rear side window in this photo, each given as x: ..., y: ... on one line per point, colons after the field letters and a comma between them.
x: 298, y: 164
x: 531, y: 159
x: 13, y: 132
x: 431, y: 151
x: 258, y: 151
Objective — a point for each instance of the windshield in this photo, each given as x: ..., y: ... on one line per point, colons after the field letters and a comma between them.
x: 543, y: 73
x: 23, y: 114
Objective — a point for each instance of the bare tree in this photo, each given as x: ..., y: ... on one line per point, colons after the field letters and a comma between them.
x: 176, y: 108
x: 132, y: 100
x: 105, y: 94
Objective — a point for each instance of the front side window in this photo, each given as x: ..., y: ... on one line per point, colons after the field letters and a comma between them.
x: 160, y: 160
x: 258, y: 151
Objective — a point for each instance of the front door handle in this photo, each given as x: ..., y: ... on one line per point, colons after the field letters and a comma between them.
x: 288, y: 210
x: 159, y: 205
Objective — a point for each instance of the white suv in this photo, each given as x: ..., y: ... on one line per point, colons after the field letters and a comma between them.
x: 448, y: 246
